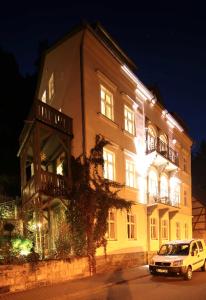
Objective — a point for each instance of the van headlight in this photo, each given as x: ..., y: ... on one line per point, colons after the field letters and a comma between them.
x: 177, y: 263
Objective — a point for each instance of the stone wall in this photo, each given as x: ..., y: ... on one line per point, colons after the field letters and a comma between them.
x: 26, y: 276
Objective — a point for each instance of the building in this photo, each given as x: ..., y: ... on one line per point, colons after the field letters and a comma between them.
x: 199, y: 213
x: 88, y: 78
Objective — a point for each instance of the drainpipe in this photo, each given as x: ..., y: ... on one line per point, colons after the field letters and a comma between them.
x: 82, y: 91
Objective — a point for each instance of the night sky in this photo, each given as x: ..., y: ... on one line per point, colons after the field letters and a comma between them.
x: 167, y: 43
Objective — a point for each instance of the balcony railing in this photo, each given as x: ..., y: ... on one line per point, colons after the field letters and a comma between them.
x: 48, y: 115
x: 155, y: 144
x: 164, y: 200
x: 50, y: 184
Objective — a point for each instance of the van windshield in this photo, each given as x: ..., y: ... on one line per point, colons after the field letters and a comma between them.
x: 174, y: 249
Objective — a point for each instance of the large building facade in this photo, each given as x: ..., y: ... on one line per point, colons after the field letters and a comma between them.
x: 88, y: 78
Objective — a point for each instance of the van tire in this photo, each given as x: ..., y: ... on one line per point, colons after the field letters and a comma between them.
x: 203, y: 268
x: 188, y: 274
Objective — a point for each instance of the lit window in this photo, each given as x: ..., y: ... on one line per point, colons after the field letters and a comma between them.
x: 51, y: 86
x: 163, y: 187
x: 106, y: 103
x: 43, y: 98
x: 111, y: 233
x: 185, y: 198
x: 178, y: 232
x: 131, y: 226
x: 129, y: 120
x: 153, y: 228
x: 174, y: 191
x: 186, y: 231
x: 153, y: 183
x: 163, y: 144
x: 164, y: 229
x: 131, y: 174
x: 109, y: 164
x: 151, y: 139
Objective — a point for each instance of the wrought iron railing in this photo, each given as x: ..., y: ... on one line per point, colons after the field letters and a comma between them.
x: 164, y: 200
x: 155, y: 144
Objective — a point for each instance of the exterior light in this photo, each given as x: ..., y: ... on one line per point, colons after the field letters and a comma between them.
x: 174, y: 141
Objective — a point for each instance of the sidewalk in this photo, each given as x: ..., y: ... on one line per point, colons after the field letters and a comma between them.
x: 76, y: 289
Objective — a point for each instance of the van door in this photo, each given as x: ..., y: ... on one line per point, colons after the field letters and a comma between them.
x: 195, y: 259
x: 201, y: 253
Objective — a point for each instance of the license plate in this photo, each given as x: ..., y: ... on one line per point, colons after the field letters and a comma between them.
x: 162, y: 270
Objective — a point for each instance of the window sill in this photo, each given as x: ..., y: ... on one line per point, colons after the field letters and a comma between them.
x: 109, y: 121
x: 134, y: 189
x: 127, y: 133
x: 132, y: 239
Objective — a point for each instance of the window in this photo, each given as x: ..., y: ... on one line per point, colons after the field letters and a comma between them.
x: 175, y: 191
x: 106, y: 103
x: 153, y: 228
x: 199, y: 243
x: 163, y: 144
x: 184, y: 164
x: 131, y: 175
x: 51, y: 86
x: 151, y: 139
x: 111, y: 233
x: 178, y: 233
x: 131, y: 226
x: 163, y: 186
x: 153, y: 183
x: 186, y: 231
x: 164, y: 229
x: 43, y: 98
x: 109, y: 164
x: 185, y: 198
x: 129, y: 120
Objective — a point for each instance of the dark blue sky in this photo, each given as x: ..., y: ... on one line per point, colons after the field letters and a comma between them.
x: 166, y: 41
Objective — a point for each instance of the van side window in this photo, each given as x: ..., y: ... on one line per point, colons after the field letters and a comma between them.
x: 200, y: 246
x: 194, y: 247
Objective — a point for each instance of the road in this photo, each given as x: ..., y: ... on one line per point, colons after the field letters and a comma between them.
x: 153, y: 288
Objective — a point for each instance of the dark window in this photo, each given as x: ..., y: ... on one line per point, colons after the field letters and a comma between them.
x: 200, y: 246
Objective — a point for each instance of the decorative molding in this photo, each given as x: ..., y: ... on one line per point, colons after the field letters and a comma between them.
x: 104, y: 79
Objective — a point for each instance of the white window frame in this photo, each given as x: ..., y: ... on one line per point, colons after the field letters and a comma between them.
x: 186, y: 231
x: 153, y: 229
x: 131, y: 173
x: 51, y: 86
x: 164, y: 229
x: 131, y: 226
x: 153, y: 183
x: 164, y: 186
x: 112, y: 228
x: 107, y: 107
x: 109, y: 164
x: 178, y: 231
x: 129, y: 117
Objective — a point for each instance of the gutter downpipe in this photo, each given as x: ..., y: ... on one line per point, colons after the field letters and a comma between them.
x: 82, y: 96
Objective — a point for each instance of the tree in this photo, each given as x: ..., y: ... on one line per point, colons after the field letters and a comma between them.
x: 90, y: 199
x: 199, y: 167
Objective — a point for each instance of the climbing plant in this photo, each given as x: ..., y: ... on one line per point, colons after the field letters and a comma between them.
x: 90, y: 199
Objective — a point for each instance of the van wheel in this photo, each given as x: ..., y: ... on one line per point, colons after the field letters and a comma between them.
x: 203, y: 268
x: 188, y: 274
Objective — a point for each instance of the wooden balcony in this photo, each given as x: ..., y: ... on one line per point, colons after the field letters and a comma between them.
x: 49, y: 184
x: 163, y: 153
x: 48, y: 115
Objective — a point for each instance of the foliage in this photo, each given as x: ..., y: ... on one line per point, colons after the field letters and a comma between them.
x: 199, y: 167
x: 63, y: 242
x: 90, y: 199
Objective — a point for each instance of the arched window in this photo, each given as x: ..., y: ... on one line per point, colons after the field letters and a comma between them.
x: 153, y: 183
x: 151, y: 138
x: 163, y: 143
x: 175, y: 191
x: 163, y: 186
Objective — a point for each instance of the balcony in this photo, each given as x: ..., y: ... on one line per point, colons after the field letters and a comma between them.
x: 48, y: 115
x: 161, y: 154
x: 50, y: 184
x: 163, y: 204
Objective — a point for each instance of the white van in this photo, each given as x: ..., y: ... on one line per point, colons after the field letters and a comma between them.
x: 180, y: 257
